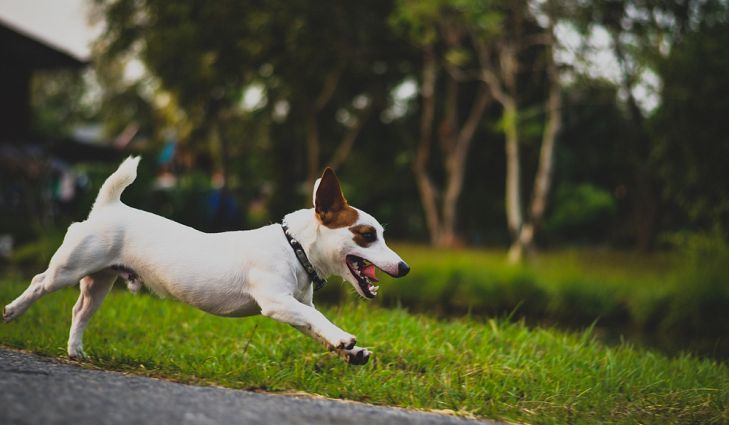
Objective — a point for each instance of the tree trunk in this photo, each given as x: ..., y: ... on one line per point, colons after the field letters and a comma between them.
x: 422, y: 154
x: 456, y: 167
x: 524, y: 243
x: 644, y: 196
x: 501, y: 82
x: 345, y: 145
x: 455, y: 141
x: 313, y: 146
x: 514, y: 217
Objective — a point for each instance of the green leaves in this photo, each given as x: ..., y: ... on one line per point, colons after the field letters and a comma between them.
x: 458, y: 56
x: 421, y: 19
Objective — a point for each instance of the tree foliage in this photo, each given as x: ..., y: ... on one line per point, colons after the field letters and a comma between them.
x: 487, y: 90
x: 691, y: 126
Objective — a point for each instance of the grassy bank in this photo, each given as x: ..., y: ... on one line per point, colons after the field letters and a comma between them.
x: 677, y: 301
x: 490, y: 369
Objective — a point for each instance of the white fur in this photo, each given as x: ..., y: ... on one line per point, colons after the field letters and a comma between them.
x: 238, y: 273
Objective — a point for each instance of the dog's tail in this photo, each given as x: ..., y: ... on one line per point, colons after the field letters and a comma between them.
x: 115, y: 184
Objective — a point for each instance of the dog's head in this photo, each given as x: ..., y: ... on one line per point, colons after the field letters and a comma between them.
x: 352, y: 240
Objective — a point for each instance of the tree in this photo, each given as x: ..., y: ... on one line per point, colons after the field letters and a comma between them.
x: 313, y: 63
x: 481, y: 45
x: 500, y: 67
x: 501, y: 34
x: 632, y: 34
x: 60, y: 101
x: 691, y: 130
x: 657, y: 38
x: 440, y: 32
x: 203, y: 53
x: 333, y: 63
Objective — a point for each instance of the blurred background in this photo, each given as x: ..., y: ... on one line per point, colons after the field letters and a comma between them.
x: 559, y: 162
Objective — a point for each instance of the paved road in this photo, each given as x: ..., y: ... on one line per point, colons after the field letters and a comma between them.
x: 37, y: 390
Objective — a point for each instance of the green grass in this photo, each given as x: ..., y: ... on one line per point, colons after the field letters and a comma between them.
x: 675, y: 301
x: 458, y: 276
x: 489, y: 368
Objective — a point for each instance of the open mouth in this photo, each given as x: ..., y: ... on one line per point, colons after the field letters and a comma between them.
x: 364, y: 272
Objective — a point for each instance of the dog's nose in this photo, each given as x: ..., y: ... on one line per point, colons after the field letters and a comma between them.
x: 402, y: 269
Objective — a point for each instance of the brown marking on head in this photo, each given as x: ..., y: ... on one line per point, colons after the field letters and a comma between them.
x: 330, y: 206
x: 364, y: 234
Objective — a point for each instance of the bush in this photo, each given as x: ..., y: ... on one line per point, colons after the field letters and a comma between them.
x: 581, y: 300
x: 580, y: 213
x: 679, y: 308
x: 700, y: 299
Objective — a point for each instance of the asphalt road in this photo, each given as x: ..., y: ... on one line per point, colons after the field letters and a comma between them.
x: 37, y: 390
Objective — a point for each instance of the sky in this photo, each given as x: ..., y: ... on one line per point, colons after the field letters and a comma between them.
x: 61, y: 23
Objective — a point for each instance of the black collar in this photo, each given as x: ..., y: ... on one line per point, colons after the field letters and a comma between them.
x: 318, y: 281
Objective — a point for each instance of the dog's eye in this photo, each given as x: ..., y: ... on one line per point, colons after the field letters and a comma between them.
x: 364, y: 234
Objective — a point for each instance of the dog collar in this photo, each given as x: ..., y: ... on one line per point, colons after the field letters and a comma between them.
x: 318, y: 281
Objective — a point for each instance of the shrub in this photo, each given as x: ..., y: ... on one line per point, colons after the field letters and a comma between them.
x: 580, y: 213
x: 699, y: 302
x: 582, y: 300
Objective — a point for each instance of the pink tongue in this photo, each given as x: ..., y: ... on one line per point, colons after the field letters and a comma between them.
x: 369, y: 271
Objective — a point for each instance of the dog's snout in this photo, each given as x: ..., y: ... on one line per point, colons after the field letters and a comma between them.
x: 402, y: 269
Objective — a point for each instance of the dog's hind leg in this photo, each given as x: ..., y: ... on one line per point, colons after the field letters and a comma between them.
x: 94, y: 289
x: 28, y: 297
x: 44, y: 283
x: 73, y: 260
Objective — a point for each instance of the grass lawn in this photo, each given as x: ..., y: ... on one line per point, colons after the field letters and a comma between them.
x: 490, y: 369
x: 673, y: 300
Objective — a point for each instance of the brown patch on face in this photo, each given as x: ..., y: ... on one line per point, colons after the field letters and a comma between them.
x: 330, y: 206
x: 343, y: 218
x: 364, y: 234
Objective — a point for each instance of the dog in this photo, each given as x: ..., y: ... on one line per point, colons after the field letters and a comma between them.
x: 271, y: 270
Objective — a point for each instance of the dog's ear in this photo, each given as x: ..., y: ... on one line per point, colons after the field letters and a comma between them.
x: 328, y: 195
x: 328, y: 198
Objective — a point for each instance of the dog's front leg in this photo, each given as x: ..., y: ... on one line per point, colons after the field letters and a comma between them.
x: 273, y: 296
x: 355, y: 355
x: 287, y: 309
x: 311, y: 322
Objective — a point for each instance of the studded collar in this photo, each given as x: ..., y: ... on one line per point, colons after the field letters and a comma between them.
x: 317, y: 280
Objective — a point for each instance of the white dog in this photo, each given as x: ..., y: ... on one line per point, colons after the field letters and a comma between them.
x: 271, y: 270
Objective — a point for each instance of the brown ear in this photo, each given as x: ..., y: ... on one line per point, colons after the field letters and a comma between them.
x: 331, y: 208
x: 328, y: 199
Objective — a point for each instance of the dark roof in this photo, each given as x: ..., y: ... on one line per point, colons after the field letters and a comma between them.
x: 19, y: 48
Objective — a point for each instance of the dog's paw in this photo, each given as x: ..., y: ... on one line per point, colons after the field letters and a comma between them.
x: 77, y: 353
x: 9, y: 314
x: 345, y: 342
x: 357, y: 356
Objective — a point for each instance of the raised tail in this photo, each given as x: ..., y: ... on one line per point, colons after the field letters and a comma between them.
x: 115, y: 184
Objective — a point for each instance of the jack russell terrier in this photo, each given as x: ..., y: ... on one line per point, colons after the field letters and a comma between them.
x: 272, y: 270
